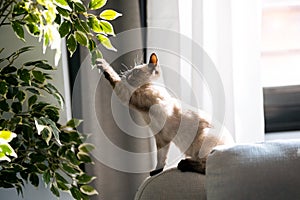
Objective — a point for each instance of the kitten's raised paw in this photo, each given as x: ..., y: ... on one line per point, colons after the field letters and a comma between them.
x: 156, y: 171
x: 189, y: 165
x: 101, y: 64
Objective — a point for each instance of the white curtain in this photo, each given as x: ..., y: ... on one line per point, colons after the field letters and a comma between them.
x: 228, y: 33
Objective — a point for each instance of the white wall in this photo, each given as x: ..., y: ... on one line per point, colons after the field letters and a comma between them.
x: 11, y: 43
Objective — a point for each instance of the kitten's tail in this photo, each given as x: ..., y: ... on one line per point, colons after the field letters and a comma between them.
x: 108, y: 71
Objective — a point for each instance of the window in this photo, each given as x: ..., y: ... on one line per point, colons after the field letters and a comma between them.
x: 281, y: 65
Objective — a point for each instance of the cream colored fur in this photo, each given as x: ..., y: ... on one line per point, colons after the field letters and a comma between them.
x: 192, y: 134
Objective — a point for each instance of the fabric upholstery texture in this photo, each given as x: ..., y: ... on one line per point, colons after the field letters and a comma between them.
x: 262, y: 171
x: 173, y: 184
x: 269, y: 170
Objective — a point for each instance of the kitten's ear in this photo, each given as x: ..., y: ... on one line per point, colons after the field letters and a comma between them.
x: 153, y: 59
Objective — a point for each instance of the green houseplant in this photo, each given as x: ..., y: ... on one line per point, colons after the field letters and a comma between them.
x: 33, y: 142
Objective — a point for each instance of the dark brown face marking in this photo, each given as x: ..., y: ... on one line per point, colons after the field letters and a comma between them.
x: 153, y: 59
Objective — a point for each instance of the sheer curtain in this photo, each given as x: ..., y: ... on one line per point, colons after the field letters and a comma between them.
x: 209, y: 53
x: 228, y: 34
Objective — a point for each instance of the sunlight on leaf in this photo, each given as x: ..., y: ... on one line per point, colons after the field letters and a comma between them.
x: 81, y: 38
x: 107, y: 27
x: 7, y: 135
x: 96, y: 4
x: 63, y: 4
x: 109, y: 14
x: 5, y: 151
x: 106, y: 42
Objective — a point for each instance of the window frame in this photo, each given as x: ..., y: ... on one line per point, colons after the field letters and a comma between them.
x: 282, y: 103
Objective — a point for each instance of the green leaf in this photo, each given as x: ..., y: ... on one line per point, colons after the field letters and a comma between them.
x: 24, y: 75
x: 43, y: 65
x: 33, y: 91
x: 65, y: 13
x: 8, y: 70
x: 74, y: 122
x: 94, y: 24
x: 19, y: 9
x: 63, y: 4
x: 81, y: 38
x: 92, y: 45
x: 62, y: 186
x: 96, y: 4
x: 60, y: 178
x: 75, y: 193
x: 24, y: 174
x: 22, y: 50
x: 12, y: 92
x: 89, y: 190
x: 16, y: 107
x: 32, y: 18
x: 33, y: 29
x: 46, y: 134
x: 6, y: 149
x: 34, y: 179
x: 4, y: 106
x: 106, y: 42
x: 109, y: 14
x: 7, y: 135
x: 12, y: 80
x: 86, y: 147
x: 18, y: 29
x: 107, y: 27
x: 37, y: 157
x: 3, y: 88
x: 59, y: 99
x: 72, y: 157
x: 54, y: 190
x: 79, y: 7
x: 95, y: 55
x: 52, y: 89
x: 21, y: 96
x: 84, y: 157
x: 53, y: 127
x: 42, y: 167
x: 39, y: 76
x: 81, y: 25
x: 47, y: 176
x: 64, y: 28
x: 85, y: 179
x: 69, y: 169
x: 71, y: 44
x: 32, y: 100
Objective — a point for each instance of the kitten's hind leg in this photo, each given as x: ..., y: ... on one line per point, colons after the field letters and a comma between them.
x: 161, y: 159
x: 190, y: 165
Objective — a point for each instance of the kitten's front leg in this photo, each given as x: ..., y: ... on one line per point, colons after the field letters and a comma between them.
x: 161, y: 159
x: 108, y: 71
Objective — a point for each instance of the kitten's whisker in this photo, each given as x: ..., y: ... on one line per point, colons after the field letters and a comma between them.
x: 126, y: 67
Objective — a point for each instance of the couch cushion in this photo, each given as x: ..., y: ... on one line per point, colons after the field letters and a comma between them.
x: 173, y: 184
x: 268, y: 170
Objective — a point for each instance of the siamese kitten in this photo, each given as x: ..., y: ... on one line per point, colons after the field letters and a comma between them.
x: 164, y: 116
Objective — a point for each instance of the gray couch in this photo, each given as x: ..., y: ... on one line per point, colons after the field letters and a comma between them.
x: 269, y: 170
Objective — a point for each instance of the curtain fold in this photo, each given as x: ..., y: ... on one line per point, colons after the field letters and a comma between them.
x: 229, y: 32
x: 209, y: 55
x: 119, y: 145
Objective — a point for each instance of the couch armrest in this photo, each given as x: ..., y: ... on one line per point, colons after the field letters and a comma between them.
x: 173, y: 184
x: 268, y: 170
